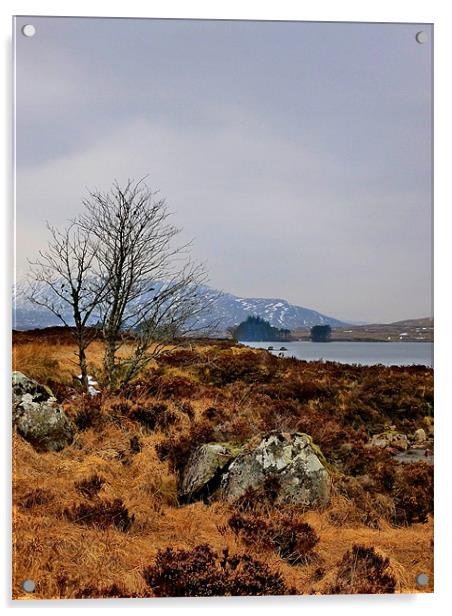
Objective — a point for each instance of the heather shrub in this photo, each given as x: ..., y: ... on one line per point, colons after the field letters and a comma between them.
x: 158, y: 383
x: 177, y: 450
x: 61, y: 391
x: 363, y: 503
x: 413, y: 492
x: 38, y: 496
x: 70, y: 588
x: 104, y: 592
x: 180, y: 358
x: 363, y: 571
x: 201, y: 572
x: 361, y: 459
x: 224, y: 368
x: 291, y: 538
x: 277, y: 414
x: 89, y: 413
x: 90, y: 487
x: 327, y: 432
x: 185, y: 407
x: 135, y: 444
x: 296, y: 388
x: 401, y: 394
x: 153, y: 416
x: 101, y: 514
x: 214, y: 414
x: 174, y: 386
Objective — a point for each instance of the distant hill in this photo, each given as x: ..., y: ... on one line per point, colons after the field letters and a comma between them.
x: 228, y: 311
x: 231, y: 310
x: 409, y: 330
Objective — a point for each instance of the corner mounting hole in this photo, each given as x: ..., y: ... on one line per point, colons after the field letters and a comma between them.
x: 421, y: 37
x: 29, y: 30
x: 28, y: 585
x: 422, y: 579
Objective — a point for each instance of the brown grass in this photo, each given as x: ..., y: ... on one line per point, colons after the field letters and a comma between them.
x: 118, y: 461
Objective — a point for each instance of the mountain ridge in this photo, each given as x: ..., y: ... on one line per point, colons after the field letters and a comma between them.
x: 227, y: 310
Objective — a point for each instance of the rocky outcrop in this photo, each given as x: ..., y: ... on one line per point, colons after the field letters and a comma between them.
x: 204, y: 470
x: 24, y: 385
x: 37, y: 416
x: 390, y: 440
x: 290, y: 460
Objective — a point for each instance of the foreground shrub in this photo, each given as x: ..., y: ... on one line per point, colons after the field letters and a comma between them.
x: 361, y: 503
x: 153, y: 416
x: 37, y: 496
x: 71, y: 588
x: 295, y: 388
x: 413, y: 492
x: 90, y: 487
x: 101, y: 514
x: 89, y: 413
x: 171, y: 386
x: 220, y: 369
x: 290, y: 537
x: 363, y: 571
x: 201, y: 572
x: 177, y: 450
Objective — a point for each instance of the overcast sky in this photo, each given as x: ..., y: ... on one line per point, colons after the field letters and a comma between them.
x: 298, y: 155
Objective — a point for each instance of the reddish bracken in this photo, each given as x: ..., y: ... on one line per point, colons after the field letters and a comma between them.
x: 201, y: 572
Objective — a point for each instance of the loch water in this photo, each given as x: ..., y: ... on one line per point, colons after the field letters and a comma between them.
x: 363, y: 353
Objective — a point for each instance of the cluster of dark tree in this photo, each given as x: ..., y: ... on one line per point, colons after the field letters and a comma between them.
x: 256, y: 329
x: 321, y: 333
x: 105, y: 265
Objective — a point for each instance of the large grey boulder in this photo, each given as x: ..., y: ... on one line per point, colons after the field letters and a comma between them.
x: 292, y: 460
x: 38, y: 417
x: 203, y: 471
x: 22, y: 384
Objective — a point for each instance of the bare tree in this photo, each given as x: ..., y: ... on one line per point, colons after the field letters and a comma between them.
x: 65, y: 281
x: 153, y: 292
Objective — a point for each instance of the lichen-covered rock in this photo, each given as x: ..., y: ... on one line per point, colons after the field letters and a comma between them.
x: 420, y: 436
x: 390, y: 440
x: 22, y: 384
x: 203, y: 471
x: 291, y: 459
x: 38, y: 417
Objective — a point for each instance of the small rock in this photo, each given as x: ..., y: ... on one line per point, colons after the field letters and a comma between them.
x: 379, y: 440
x: 420, y: 436
x: 203, y: 471
x: 390, y: 440
x: 37, y: 416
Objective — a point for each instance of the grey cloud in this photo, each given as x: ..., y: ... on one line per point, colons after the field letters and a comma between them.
x: 297, y: 155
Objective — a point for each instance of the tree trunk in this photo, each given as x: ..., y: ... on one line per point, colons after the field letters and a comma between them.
x: 83, y: 367
x: 109, y: 363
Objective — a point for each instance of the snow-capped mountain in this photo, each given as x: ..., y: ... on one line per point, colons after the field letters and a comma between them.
x: 231, y: 310
x: 226, y: 310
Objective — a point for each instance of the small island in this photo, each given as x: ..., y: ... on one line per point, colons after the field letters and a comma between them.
x: 321, y: 333
x: 256, y: 329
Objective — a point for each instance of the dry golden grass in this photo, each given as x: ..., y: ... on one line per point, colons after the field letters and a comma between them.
x: 64, y: 557
x: 44, y: 361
